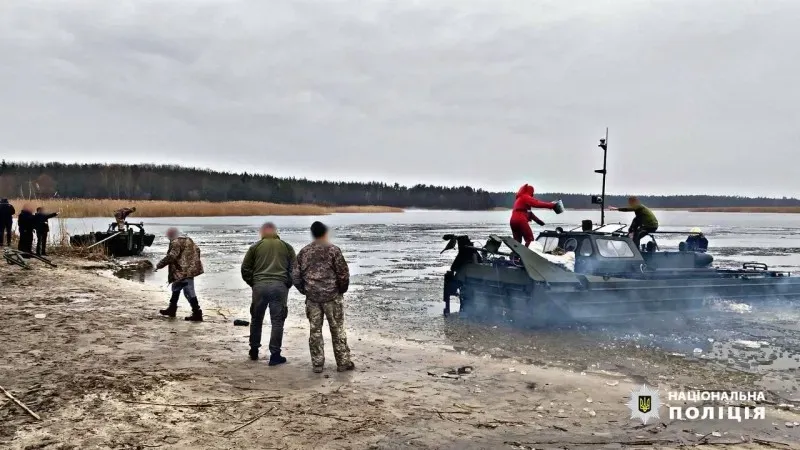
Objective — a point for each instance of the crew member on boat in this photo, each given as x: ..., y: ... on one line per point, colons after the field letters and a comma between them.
x: 120, y: 215
x: 521, y: 214
x: 643, y: 224
x: 697, y: 241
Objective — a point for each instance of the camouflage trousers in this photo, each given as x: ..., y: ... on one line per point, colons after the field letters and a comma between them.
x: 334, y: 312
x: 120, y: 224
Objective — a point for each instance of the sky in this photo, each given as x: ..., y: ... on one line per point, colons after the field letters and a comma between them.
x: 700, y: 96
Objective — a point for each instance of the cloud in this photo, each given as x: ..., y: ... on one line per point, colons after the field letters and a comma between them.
x: 699, y: 96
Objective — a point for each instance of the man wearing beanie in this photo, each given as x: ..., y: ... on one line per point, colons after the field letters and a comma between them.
x: 267, y: 268
x: 321, y: 274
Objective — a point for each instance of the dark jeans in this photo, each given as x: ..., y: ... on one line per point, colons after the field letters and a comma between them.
x: 26, y: 241
x: 640, y: 232
x: 41, y: 242
x: 5, y: 232
x: 273, y: 297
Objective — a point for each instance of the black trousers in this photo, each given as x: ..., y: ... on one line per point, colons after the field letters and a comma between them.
x: 41, y: 242
x: 638, y: 231
x: 272, y: 297
x: 26, y: 241
x: 5, y: 231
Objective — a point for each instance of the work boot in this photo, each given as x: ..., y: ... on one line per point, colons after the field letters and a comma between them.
x: 276, y: 359
x: 254, y: 354
x: 346, y: 367
x: 197, y: 313
x: 173, y: 305
x: 317, y: 369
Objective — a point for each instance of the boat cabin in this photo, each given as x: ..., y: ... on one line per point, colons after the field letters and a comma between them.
x: 609, y: 251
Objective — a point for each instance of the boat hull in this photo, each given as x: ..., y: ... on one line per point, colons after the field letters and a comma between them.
x: 131, y: 243
x: 507, y: 292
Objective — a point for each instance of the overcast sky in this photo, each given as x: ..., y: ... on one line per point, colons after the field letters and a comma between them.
x: 700, y: 96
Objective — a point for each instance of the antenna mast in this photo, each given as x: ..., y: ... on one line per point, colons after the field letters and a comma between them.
x: 602, y: 200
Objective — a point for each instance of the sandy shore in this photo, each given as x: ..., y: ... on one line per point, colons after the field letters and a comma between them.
x: 103, y: 370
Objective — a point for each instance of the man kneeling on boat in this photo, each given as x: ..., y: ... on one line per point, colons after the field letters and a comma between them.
x: 643, y: 224
x: 183, y: 260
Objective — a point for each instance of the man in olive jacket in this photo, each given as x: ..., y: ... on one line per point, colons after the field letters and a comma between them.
x: 643, y: 223
x: 267, y: 268
x: 183, y: 260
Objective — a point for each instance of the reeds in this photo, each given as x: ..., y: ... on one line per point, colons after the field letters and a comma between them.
x: 751, y: 209
x: 76, y: 208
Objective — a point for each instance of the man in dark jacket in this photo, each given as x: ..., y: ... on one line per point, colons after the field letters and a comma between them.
x: 26, y: 224
x: 322, y: 275
x: 267, y: 268
x: 6, y: 221
x: 697, y: 241
x: 643, y: 224
x: 42, y: 228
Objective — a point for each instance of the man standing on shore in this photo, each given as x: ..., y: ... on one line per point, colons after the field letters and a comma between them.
x: 6, y: 221
x: 322, y: 275
x: 183, y: 259
x: 120, y: 215
x: 25, y: 226
x: 42, y: 228
x: 267, y: 268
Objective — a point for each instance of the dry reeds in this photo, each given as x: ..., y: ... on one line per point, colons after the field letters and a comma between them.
x: 751, y: 209
x: 78, y: 208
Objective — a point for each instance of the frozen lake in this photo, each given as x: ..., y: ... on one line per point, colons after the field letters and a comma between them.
x: 397, y: 269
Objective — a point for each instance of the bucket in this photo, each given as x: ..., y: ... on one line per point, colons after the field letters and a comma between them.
x: 559, y: 208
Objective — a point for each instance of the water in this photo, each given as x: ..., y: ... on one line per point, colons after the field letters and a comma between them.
x: 397, y: 268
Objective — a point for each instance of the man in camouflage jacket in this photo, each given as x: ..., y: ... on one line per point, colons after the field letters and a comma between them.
x: 183, y: 262
x: 321, y: 274
x: 120, y: 215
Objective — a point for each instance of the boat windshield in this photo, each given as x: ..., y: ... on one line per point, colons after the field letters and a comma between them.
x: 614, y: 249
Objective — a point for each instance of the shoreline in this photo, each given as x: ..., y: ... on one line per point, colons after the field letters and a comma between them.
x: 103, y: 369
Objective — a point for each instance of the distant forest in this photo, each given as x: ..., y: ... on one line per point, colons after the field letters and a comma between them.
x: 165, y: 182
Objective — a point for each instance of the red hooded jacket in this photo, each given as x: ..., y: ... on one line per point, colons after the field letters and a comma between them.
x: 525, y: 202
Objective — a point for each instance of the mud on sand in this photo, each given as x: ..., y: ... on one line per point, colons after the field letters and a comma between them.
x: 103, y: 370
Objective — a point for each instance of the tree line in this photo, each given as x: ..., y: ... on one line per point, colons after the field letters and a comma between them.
x: 175, y: 183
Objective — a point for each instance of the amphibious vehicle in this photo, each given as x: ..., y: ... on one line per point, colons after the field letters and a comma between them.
x: 611, y: 276
x: 116, y: 243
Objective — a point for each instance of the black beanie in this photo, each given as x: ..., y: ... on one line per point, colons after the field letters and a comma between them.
x: 318, y: 229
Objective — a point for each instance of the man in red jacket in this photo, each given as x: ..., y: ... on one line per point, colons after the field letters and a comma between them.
x: 521, y: 214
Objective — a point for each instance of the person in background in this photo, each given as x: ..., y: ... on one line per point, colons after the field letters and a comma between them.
x: 26, y: 224
x: 522, y: 214
x: 322, y: 275
x: 696, y: 242
x: 7, y: 212
x: 267, y: 269
x: 42, y: 228
x: 120, y: 215
x: 183, y: 262
x: 643, y: 224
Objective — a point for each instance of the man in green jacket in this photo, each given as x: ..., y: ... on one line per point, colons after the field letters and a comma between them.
x: 267, y: 268
x: 643, y: 224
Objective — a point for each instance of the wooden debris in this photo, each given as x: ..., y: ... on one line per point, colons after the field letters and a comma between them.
x: 203, y: 405
x: 20, y: 404
x: 250, y: 421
